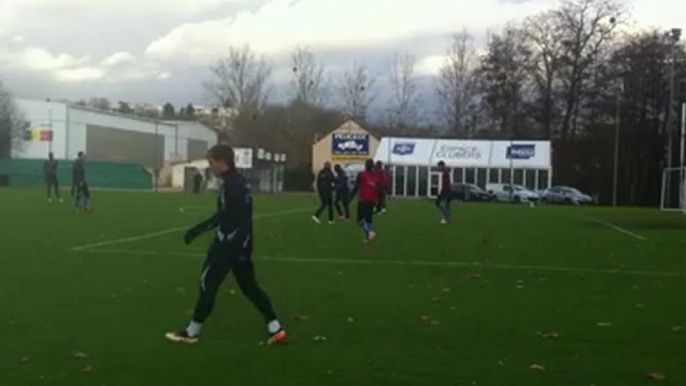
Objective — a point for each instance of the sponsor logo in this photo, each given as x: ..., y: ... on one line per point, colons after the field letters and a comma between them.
x: 404, y: 148
x: 351, y: 144
x: 521, y: 152
x: 458, y: 152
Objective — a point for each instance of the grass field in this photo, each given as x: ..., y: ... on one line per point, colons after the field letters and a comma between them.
x: 593, y: 296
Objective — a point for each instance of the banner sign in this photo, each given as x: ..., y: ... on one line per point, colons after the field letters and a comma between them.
x: 350, y: 144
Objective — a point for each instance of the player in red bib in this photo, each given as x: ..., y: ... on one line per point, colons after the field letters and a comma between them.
x: 369, y: 187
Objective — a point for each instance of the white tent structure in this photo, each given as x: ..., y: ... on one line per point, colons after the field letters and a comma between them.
x: 412, y: 163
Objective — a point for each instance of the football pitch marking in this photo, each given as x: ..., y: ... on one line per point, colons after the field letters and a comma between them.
x: 146, y: 236
x: 617, y: 228
x: 419, y: 263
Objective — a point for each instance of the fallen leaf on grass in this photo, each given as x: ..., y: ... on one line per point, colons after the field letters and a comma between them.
x: 87, y: 369
x: 549, y: 335
x: 640, y: 306
x: 656, y: 376
x: 677, y: 328
x: 476, y: 277
x: 520, y: 287
x: 350, y: 320
x: 537, y: 367
x: 604, y: 324
x: 428, y: 321
x: 319, y: 338
x: 79, y: 355
x: 300, y: 318
x: 446, y: 289
x: 24, y: 359
x: 435, y: 300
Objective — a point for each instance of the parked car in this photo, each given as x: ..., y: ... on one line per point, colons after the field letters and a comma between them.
x: 565, y: 195
x: 512, y: 193
x: 470, y: 192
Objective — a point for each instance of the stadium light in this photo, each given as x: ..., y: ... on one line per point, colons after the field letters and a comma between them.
x: 618, y: 120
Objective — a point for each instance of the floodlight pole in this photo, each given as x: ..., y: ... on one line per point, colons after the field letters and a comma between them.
x: 682, y: 172
x: 618, y: 118
x: 673, y: 35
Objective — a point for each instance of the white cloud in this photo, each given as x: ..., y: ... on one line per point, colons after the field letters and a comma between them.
x: 65, y: 68
x: 663, y: 14
x: 42, y: 60
x: 118, y: 59
x: 18, y: 39
x: 340, y: 24
x: 430, y: 65
x: 80, y: 74
x: 164, y: 76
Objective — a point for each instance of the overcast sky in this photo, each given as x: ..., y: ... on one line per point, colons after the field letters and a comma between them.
x: 160, y: 50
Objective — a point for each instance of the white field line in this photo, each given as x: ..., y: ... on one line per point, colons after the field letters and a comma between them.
x: 421, y: 263
x: 617, y: 228
x: 172, y: 230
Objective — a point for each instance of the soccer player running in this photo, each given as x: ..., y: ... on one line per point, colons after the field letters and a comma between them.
x: 445, y: 195
x: 325, y: 185
x: 368, y: 186
x: 342, y: 194
x: 231, y: 250
x: 385, y: 181
x: 79, y: 186
x: 50, y: 173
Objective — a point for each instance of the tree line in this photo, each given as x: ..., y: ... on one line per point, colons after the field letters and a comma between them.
x: 568, y: 75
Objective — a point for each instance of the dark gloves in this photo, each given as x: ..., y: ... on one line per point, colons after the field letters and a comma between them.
x: 193, y: 234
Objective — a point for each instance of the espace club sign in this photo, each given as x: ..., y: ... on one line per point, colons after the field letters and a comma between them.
x: 458, y: 152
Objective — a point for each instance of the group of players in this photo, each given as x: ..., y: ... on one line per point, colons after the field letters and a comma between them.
x: 232, y: 223
x: 373, y: 185
x: 79, y: 187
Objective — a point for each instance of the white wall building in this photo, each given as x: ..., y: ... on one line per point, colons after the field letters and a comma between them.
x: 109, y: 137
x: 412, y: 163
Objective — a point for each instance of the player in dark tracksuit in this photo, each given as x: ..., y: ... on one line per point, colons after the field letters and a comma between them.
x: 342, y: 193
x: 369, y: 187
x: 385, y: 181
x: 50, y: 173
x: 445, y: 195
x: 231, y: 250
x: 79, y: 185
x: 325, y: 185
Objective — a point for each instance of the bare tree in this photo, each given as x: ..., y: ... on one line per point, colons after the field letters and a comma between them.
x: 241, y: 81
x: 587, y: 28
x: 457, y: 85
x: 358, y: 92
x: 402, y: 110
x: 309, y: 82
x: 99, y: 103
x: 12, y: 124
x: 545, y: 41
x: 504, y: 77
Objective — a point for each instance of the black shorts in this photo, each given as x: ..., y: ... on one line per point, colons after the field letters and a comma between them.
x: 82, y: 190
x: 365, y: 211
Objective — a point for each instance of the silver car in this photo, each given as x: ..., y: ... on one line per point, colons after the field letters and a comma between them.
x: 565, y: 195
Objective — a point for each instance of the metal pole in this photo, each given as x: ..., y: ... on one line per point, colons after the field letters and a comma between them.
x: 618, y: 118
x: 672, y: 71
x: 67, y: 137
x: 682, y: 181
x: 157, y: 156
x: 511, y: 170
